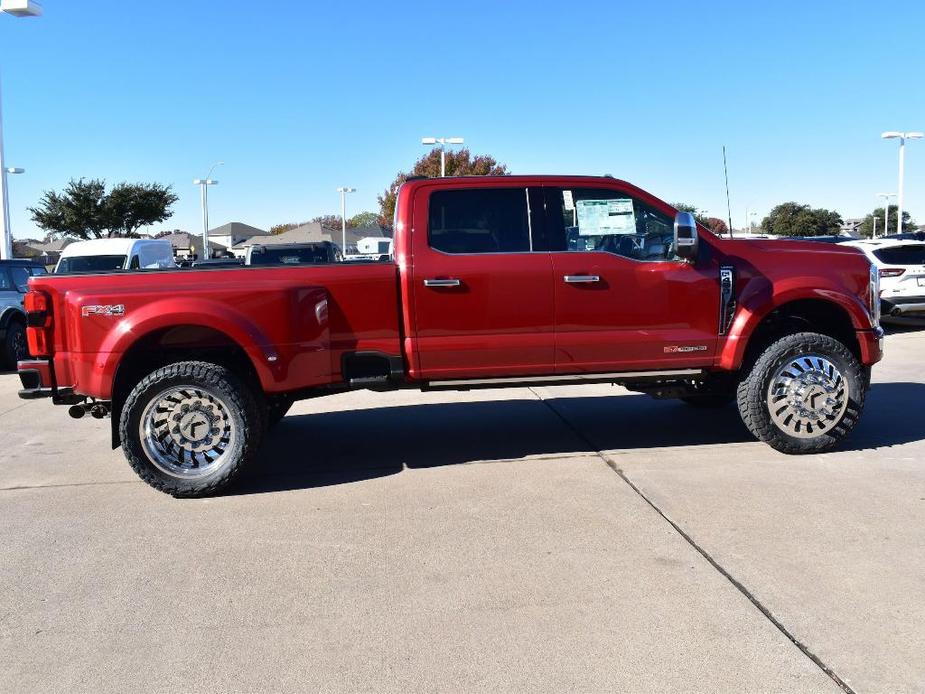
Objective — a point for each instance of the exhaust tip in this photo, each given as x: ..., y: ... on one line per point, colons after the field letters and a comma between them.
x: 99, y: 411
x: 76, y: 411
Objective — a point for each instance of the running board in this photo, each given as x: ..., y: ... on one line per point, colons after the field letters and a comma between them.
x: 564, y: 379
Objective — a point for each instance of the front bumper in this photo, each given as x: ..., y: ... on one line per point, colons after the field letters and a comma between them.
x: 871, y: 344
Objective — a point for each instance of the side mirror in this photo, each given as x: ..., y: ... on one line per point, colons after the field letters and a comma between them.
x: 686, y: 238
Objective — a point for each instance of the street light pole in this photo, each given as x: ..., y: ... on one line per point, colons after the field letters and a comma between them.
x: 902, y: 136
x: 204, y: 184
x: 343, y: 190
x: 16, y: 8
x: 875, y: 228
x: 886, y: 211
x: 443, y: 142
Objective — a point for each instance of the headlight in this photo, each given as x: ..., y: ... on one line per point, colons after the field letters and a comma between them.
x: 874, y: 295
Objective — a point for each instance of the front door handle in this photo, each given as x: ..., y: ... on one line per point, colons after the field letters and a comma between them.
x: 441, y: 283
x: 581, y: 279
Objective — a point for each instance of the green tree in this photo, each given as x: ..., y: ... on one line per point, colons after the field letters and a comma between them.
x: 698, y: 214
x: 130, y: 206
x: 85, y: 210
x: 795, y: 219
x: 79, y: 211
x: 459, y: 162
x: 867, y: 226
x: 363, y: 220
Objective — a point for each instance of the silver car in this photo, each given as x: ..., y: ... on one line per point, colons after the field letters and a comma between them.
x: 14, y: 281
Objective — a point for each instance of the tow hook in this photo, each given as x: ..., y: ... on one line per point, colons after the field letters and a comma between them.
x: 97, y: 410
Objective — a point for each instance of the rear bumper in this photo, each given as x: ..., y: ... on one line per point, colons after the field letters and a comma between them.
x: 38, y: 381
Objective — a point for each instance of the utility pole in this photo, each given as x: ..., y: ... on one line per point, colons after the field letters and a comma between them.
x: 443, y: 142
x: 343, y: 190
x: 15, y: 8
x: 902, y: 137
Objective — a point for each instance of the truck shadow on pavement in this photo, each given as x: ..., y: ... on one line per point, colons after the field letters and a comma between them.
x: 330, y: 448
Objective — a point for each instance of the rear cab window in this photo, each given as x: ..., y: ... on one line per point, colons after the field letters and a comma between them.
x: 479, y: 220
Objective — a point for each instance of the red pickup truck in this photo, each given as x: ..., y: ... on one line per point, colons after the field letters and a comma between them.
x: 496, y: 281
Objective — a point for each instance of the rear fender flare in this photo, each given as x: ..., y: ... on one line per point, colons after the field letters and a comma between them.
x: 194, y: 312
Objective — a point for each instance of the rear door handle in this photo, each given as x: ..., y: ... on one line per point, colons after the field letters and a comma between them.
x: 441, y: 283
x: 581, y: 279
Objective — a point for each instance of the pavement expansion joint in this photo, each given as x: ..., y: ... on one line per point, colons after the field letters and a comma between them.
x: 700, y: 550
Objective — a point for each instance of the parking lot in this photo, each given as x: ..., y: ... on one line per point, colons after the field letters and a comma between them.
x: 526, y: 539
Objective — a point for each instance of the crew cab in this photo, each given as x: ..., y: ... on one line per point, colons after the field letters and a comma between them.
x: 496, y: 281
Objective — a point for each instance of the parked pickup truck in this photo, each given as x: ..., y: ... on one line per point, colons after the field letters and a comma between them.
x: 496, y: 282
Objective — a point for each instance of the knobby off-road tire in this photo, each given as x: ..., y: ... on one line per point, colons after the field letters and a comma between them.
x: 803, y: 394
x: 189, y: 428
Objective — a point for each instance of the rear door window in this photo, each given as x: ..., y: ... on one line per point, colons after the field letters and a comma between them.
x: 479, y: 220
x: 913, y: 254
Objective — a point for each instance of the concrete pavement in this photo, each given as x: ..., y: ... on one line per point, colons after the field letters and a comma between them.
x: 578, y: 539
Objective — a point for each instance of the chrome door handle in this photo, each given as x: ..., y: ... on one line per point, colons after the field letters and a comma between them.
x: 581, y: 279
x: 441, y: 283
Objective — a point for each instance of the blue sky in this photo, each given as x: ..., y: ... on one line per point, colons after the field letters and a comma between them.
x: 301, y: 97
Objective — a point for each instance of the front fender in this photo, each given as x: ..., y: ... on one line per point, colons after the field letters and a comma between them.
x: 760, y: 299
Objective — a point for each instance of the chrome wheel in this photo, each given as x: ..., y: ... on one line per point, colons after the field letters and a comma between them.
x: 188, y: 432
x: 807, y: 396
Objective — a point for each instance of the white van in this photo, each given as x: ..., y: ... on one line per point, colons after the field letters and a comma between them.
x: 104, y: 255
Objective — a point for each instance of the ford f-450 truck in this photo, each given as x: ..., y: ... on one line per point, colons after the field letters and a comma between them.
x: 496, y: 282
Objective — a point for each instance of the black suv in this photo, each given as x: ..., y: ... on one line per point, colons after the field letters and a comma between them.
x: 14, y: 281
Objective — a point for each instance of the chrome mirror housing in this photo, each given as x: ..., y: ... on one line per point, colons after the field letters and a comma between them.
x: 686, y: 238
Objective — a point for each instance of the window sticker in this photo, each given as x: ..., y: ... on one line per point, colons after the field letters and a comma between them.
x: 567, y: 201
x: 606, y: 217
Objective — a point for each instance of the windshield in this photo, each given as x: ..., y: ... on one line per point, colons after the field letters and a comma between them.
x: 291, y: 256
x: 91, y: 263
x: 913, y: 254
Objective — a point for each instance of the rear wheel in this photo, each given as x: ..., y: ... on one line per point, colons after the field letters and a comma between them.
x: 804, y: 393
x: 15, y: 347
x: 189, y: 428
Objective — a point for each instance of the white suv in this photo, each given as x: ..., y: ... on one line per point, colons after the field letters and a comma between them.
x: 902, y: 274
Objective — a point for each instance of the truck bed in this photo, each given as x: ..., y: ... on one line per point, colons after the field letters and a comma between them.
x: 293, y: 321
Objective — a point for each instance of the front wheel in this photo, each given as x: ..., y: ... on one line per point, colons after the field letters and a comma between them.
x: 804, y: 393
x: 189, y: 428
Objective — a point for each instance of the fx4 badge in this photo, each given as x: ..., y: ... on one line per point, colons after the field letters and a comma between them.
x: 106, y: 310
x: 674, y: 349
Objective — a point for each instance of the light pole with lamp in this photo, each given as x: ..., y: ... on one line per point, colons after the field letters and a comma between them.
x: 891, y: 135
x: 343, y: 190
x: 204, y: 184
x: 443, y: 142
x: 16, y: 8
x: 886, y: 211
